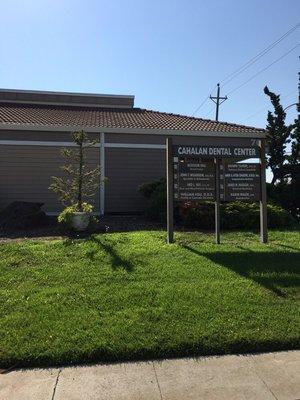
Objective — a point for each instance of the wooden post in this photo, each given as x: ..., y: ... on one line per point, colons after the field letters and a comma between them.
x: 170, y: 190
x: 217, y: 202
x: 263, y: 198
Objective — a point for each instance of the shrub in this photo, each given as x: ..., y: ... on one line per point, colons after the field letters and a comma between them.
x: 201, y: 215
x: 239, y: 215
x: 234, y: 215
x: 65, y: 216
x: 279, y: 218
x: 286, y: 195
x: 149, y: 189
x: 156, y: 193
x: 196, y: 215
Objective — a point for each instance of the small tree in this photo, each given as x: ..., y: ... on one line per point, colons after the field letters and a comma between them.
x: 278, y: 137
x: 79, y: 182
x: 295, y: 153
x: 294, y: 167
x: 285, y: 187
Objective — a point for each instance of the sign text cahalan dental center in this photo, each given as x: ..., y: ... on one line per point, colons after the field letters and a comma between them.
x: 216, y: 151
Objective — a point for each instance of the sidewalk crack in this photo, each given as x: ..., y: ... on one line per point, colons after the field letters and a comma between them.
x: 261, y: 378
x: 158, y: 385
x: 55, y: 386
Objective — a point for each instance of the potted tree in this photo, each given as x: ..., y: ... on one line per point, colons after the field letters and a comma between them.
x: 77, y: 184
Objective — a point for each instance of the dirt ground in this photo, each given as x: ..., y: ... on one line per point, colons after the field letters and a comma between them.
x: 107, y: 223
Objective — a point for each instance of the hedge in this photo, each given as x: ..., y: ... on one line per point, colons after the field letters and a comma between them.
x: 234, y: 215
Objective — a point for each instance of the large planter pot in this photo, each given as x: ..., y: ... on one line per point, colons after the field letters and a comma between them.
x: 80, y: 221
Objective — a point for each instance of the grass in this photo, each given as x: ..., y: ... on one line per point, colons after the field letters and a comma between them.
x: 128, y: 296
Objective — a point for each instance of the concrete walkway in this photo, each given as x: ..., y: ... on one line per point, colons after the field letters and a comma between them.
x: 265, y: 376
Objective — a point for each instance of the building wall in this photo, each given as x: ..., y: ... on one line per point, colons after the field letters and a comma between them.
x: 126, y: 170
x: 26, y: 170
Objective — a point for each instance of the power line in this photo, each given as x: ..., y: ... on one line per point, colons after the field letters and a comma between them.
x: 203, y: 102
x: 254, y: 59
x: 245, y: 66
x: 265, y: 108
x: 209, y: 112
x: 263, y: 70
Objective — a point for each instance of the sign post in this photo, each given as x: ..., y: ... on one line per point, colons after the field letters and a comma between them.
x: 217, y: 202
x: 263, y: 200
x: 170, y: 190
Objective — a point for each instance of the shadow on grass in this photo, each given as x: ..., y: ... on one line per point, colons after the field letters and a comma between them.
x: 116, y: 260
x: 103, y: 243
x: 276, y: 271
x: 285, y: 246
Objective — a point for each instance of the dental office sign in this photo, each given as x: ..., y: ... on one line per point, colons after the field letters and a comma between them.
x: 216, y: 173
x: 217, y: 151
x: 195, y: 170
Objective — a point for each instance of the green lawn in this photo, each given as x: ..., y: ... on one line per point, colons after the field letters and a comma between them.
x: 131, y: 296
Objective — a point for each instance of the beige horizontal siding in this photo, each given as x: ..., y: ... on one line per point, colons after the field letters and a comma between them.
x: 126, y: 170
x: 122, y: 138
x: 26, y: 171
x: 131, y: 138
x: 42, y: 136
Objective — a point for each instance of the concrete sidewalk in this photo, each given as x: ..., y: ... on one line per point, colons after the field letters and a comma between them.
x: 265, y: 376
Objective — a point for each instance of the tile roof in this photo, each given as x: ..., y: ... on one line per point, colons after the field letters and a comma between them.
x: 95, y: 117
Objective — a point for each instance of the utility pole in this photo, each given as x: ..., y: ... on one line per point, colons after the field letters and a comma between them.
x: 298, y: 107
x: 218, y: 101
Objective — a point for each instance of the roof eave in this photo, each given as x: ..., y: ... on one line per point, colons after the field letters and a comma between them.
x: 140, y: 131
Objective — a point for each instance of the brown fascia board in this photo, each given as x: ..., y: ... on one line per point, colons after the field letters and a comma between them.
x: 257, y: 134
x: 66, y: 98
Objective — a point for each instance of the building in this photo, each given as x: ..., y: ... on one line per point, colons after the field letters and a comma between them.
x: 34, y: 125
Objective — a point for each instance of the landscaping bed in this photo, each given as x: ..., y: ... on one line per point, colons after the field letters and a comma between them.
x: 108, y: 223
x: 123, y: 296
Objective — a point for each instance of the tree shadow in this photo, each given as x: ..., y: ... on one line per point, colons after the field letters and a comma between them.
x: 116, y: 260
x: 276, y: 271
x: 289, y: 247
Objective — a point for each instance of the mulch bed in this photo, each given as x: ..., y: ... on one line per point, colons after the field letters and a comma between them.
x: 108, y: 223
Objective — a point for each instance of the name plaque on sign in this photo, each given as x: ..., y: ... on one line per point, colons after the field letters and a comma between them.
x: 194, y: 179
x: 217, y: 151
x: 240, y: 181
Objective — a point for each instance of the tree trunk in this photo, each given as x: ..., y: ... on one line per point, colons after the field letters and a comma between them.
x: 80, y: 167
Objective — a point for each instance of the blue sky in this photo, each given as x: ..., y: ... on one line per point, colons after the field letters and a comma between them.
x: 169, y: 54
